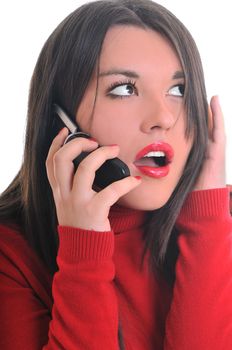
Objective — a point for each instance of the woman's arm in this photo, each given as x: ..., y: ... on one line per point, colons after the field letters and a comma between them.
x: 85, y: 303
x: 85, y: 310
x: 201, y: 311
x: 83, y: 313
x: 25, y: 294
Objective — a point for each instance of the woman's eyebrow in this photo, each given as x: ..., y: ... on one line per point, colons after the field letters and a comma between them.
x: 132, y: 74
x: 179, y: 74
x: 127, y: 73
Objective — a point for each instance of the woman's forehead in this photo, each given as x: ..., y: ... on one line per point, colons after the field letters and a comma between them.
x: 129, y: 47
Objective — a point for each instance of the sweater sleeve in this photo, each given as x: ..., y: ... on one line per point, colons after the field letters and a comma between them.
x: 84, y: 307
x: 85, y: 311
x: 200, y: 316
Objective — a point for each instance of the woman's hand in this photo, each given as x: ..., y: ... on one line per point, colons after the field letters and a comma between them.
x: 213, y: 173
x: 77, y: 204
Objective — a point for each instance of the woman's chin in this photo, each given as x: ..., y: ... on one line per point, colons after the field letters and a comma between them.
x: 142, y: 200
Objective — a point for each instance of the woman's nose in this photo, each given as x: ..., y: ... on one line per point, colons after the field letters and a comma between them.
x: 159, y: 113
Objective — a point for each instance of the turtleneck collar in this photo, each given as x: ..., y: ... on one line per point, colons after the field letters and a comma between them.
x: 125, y: 219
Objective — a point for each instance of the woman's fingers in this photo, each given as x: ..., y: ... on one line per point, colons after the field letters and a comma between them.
x: 57, y: 143
x: 63, y: 162
x: 85, y: 173
x: 84, y: 178
x: 218, y: 130
x: 210, y: 122
x: 77, y: 204
x: 95, y: 213
x: 112, y: 193
x: 60, y: 161
x: 213, y: 173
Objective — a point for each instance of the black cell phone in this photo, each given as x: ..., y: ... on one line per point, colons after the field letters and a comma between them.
x: 112, y: 170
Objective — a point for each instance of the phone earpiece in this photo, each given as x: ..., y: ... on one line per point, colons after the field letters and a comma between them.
x: 81, y: 156
x: 75, y: 135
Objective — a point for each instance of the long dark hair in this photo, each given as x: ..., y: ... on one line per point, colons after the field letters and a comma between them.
x: 62, y: 73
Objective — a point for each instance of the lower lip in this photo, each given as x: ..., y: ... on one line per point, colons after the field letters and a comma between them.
x: 156, y: 173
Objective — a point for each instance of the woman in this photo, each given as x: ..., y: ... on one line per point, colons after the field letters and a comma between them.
x: 142, y: 263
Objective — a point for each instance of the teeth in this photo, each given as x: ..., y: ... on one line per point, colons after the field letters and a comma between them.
x: 155, y: 154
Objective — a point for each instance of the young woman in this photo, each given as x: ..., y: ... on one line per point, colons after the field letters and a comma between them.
x: 143, y: 262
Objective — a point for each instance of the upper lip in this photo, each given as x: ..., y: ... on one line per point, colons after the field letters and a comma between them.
x: 157, y: 146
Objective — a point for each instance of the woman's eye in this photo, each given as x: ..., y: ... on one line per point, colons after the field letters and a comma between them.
x: 177, y: 90
x: 123, y: 90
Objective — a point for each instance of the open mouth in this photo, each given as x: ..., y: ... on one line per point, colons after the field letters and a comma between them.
x: 154, y: 159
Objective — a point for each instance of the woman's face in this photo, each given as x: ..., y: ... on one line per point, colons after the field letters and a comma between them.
x: 139, y: 106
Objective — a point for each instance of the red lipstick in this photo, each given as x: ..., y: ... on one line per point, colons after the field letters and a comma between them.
x: 154, y: 159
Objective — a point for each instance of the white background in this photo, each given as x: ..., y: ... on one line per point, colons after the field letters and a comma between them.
x: 26, y: 24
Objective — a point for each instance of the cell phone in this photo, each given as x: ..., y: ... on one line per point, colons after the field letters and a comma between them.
x: 112, y: 170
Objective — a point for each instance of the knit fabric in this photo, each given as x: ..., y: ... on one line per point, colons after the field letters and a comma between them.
x: 101, y: 281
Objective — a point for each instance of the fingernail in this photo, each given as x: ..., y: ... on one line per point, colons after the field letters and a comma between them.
x: 138, y: 177
x: 92, y: 139
x: 60, y: 132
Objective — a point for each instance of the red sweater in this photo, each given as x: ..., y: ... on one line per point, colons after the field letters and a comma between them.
x: 100, y: 280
